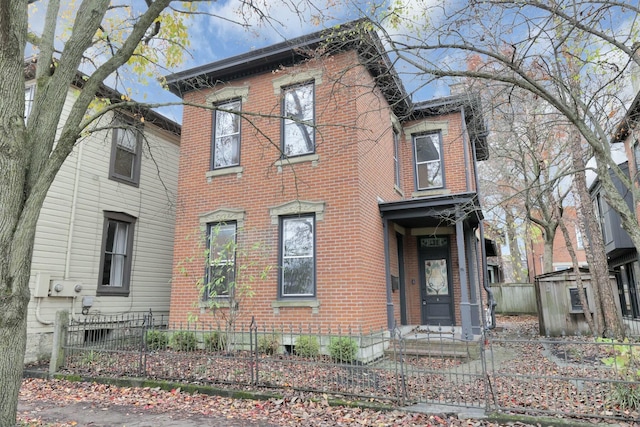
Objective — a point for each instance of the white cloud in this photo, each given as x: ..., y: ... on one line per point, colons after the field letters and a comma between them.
x: 228, y: 28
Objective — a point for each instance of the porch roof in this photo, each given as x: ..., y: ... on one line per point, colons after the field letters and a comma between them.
x: 433, y: 210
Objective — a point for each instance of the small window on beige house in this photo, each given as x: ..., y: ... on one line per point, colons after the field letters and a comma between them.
x: 117, y: 251
x: 125, y: 153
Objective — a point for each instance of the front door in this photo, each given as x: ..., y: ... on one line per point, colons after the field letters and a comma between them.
x: 435, y: 281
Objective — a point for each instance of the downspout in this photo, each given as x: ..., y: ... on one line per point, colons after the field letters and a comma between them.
x: 491, y: 302
x: 72, y: 221
x: 465, y: 147
x: 387, y: 269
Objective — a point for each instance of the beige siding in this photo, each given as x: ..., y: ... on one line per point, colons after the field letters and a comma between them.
x: 83, y: 184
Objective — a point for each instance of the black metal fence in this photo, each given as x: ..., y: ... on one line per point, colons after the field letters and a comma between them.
x: 569, y: 376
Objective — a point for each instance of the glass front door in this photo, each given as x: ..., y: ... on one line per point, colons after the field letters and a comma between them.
x: 435, y: 281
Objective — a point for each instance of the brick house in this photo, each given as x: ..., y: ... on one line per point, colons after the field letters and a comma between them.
x: 364, y: 204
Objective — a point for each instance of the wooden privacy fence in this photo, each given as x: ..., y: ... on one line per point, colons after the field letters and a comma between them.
x: 514, y: 298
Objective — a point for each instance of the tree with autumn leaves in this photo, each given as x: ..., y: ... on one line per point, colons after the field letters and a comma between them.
x: 105, y: 40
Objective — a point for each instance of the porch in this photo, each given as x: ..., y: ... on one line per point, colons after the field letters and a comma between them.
x: 435, y: 264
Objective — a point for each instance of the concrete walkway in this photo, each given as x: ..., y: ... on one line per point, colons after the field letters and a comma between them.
x: 84, y: 414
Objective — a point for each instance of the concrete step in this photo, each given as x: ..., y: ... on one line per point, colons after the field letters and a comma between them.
x: 443, y: 348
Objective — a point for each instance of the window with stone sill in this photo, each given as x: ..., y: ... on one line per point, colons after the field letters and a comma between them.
x: 298, y: 133
x: 221, y: 260
x: 428, y: 161
x: 297, y: 256
x: 225, y: 149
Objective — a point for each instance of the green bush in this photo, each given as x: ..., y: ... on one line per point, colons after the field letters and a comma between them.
x: 156, y: 340
x: 343, y: 349
x: 215, y: 341
x: 184, y: 341
x: 626, y: 361
x: 268, y: 344
x: 307, y: 346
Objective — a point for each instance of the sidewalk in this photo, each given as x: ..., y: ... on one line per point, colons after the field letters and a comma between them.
x: 100, y: 415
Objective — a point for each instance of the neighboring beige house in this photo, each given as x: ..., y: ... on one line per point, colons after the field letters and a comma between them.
x: 104, y: 239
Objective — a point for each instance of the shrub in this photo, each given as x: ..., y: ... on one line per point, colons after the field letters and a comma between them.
x: 307, y: 346
x: 184, y: 341
x: 215, y: 341
x: 268, y: 344
x: 626, y: 361
x: 343, y: 349
x: 156, y: 340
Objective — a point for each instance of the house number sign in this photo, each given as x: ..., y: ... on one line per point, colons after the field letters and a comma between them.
x: 433, y: 242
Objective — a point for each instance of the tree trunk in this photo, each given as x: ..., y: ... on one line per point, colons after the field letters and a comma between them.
x: 15, y: 255
x: 608, y: 319
x: 514, y: 249
x: 547, y: 258
x: 13, y: 340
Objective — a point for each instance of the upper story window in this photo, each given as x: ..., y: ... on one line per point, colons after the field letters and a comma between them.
x: 396, y: 158
x: 221, y: 260
x: 225, y: 151
x: 125, y: 153
x: 117, y: 251
x: 298, y: 135
x: 297, y: 256
x: 428, y: 157
x: 29, y: 93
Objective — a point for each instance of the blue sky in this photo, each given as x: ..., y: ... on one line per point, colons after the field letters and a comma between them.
x: 222, y: 32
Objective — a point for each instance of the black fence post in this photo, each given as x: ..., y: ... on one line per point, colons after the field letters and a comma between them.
x: 147, y: 323
x: 253, y: 339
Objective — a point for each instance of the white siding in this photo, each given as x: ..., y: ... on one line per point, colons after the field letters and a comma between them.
x: 151, y: 203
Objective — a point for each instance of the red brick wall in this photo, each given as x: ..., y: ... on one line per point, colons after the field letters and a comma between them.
x: 354, y: 141
x: 453, y: 146
x: 560, y: 252
x: 355, y: 167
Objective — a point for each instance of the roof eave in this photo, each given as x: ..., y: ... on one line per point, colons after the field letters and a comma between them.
x: 365, y: 42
